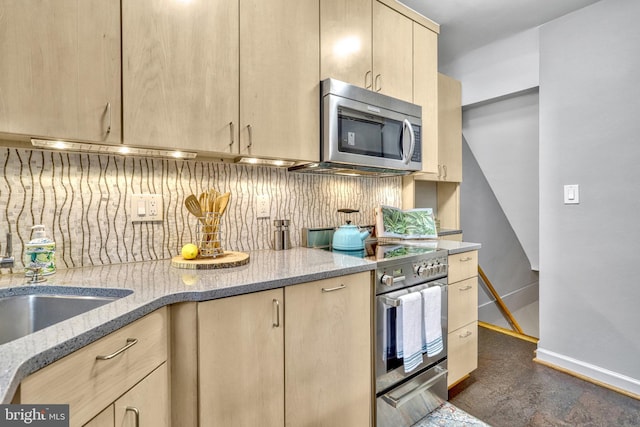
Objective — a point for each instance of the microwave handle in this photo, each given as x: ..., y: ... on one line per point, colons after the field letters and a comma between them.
x: 406, y: 126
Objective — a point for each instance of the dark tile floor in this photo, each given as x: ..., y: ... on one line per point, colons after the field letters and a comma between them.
x: 510, y: 390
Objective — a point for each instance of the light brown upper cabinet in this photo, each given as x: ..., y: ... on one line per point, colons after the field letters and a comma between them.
x: 180, y: 74
x: 60, y: 69
x: 279, y: 79
x: 345, y: 41
x: 425, y: 92
x: 450, y: 129
x: 235, y: 77
x: 392, y: 53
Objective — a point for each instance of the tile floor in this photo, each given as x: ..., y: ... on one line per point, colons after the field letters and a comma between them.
x: 510, y: 390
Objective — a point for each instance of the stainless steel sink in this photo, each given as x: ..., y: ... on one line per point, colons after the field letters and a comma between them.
x: 21, y: 315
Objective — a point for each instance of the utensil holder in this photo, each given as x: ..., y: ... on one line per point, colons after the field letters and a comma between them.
x: 208, y: 235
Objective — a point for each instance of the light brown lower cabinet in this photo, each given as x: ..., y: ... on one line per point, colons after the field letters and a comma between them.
x: 328, y: 352
x: 94, y: 377
x: 462, y: 355
x: 241, y: 360
x: 146, y: 404
x: 298, y: 356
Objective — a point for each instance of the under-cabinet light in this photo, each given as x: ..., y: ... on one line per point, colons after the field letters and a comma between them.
x: 84, y: 147
x: 265, y: 162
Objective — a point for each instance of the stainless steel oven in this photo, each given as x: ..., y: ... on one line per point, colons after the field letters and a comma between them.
x: 403, y: 398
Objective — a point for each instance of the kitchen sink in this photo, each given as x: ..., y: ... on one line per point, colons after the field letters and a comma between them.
x: 21, y: 315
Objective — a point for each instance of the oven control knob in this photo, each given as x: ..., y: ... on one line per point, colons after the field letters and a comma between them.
x: 386, y: 280
x: 423, y: 271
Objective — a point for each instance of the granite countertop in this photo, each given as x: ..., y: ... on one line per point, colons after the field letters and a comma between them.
x: 149, y: 285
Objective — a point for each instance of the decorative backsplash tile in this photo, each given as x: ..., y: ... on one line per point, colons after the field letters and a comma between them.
x: 84, y: 202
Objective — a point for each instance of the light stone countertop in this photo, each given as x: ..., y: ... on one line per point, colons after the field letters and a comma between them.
x: 154, y: 285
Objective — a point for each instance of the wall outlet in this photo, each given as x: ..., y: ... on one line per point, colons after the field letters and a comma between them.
x: 146, y: 207
x: 262, y: 206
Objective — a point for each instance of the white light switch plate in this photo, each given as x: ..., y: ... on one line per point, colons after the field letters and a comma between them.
x: 571, y: 194
x: 146, y: 207
x: 262, y: 206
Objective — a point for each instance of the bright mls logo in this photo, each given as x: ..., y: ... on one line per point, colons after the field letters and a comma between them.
x: 34, y: 415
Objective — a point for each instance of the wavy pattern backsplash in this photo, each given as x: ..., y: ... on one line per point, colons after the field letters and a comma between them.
x: 84, y: 202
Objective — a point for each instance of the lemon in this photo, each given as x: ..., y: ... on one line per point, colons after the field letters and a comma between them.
x: 189, y: 251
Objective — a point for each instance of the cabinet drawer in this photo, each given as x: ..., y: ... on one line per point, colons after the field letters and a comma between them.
x: 462, y: 266
x: 462, y: 357
x: 89, y: 385
x: 463, y: 303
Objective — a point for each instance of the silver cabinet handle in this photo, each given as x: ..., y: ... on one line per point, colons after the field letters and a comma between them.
x: 466, y: 288
x: 444, y: 167
x: 276, y: 304
x: 439, y: 171
x: 466, y: 259
x: 468, y: 334
x: 399, y: 401
x: 136, y: 412
x: 337, y: 288
x: 231, y: 132
x: 250, y: 136
x: 378, y: 87
x: 130, y: 343
x: 108, y: 118
x: 368, y: 73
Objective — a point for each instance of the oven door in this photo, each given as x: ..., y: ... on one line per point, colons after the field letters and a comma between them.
x: 390, y: 368
x: 357, y: 133
x: 408, y: 403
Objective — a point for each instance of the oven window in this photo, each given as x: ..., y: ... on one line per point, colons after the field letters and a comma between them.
x: 392, y: 360
x: 369, y: 135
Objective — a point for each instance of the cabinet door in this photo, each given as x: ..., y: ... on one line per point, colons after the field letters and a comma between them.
x: 450, y: 128
x: 328, y: 352
x: 425, y: 92
x: 241, y: 360
x: 392, y: 53
x: 146, y: 404
x: 345, y: 41
x: 279, y: 79
x: 105, y: 418
x: 60, y: 69
x: 180, y: 74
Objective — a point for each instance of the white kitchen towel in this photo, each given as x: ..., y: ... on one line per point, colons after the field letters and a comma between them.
x: 409, y: 330
x: 431, y: 304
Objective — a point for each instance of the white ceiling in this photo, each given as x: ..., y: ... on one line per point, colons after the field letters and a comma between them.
x: 466, y: 25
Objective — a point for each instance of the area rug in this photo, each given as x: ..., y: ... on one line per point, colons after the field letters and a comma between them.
x: 449, y: 416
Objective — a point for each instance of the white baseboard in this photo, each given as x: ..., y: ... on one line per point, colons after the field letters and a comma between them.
x: 589, y: 371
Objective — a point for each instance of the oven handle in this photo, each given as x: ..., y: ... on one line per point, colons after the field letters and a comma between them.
x: 395, y: 302
x: 396, y: 402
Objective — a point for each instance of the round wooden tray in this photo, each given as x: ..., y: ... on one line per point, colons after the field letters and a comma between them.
x: 227, y: 260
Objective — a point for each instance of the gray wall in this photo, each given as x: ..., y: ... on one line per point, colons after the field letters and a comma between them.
x: 502, y: 257
x: 503, y: 136
x: 589, y: 253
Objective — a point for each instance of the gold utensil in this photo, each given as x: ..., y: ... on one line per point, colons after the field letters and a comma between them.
x: 193, y: 206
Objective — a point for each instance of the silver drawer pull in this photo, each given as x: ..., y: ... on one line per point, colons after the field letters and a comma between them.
x: 231, y: 132
x: 130, y: 343
x: 109, y: 117
x: 399, y: 401
x: 337, y: 288
x: 465, y: 335
x: 136, y: 412
x: 276, y: 304
x: 466, y: 288
x: 466, y: 259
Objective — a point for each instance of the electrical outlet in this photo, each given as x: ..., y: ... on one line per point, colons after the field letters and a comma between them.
x: 146, y: 207
x: 262, y: 206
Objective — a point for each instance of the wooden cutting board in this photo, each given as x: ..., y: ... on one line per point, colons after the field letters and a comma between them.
x: 227, y: 260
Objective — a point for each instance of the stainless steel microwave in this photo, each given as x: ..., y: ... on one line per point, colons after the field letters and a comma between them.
x: 366, y: 131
